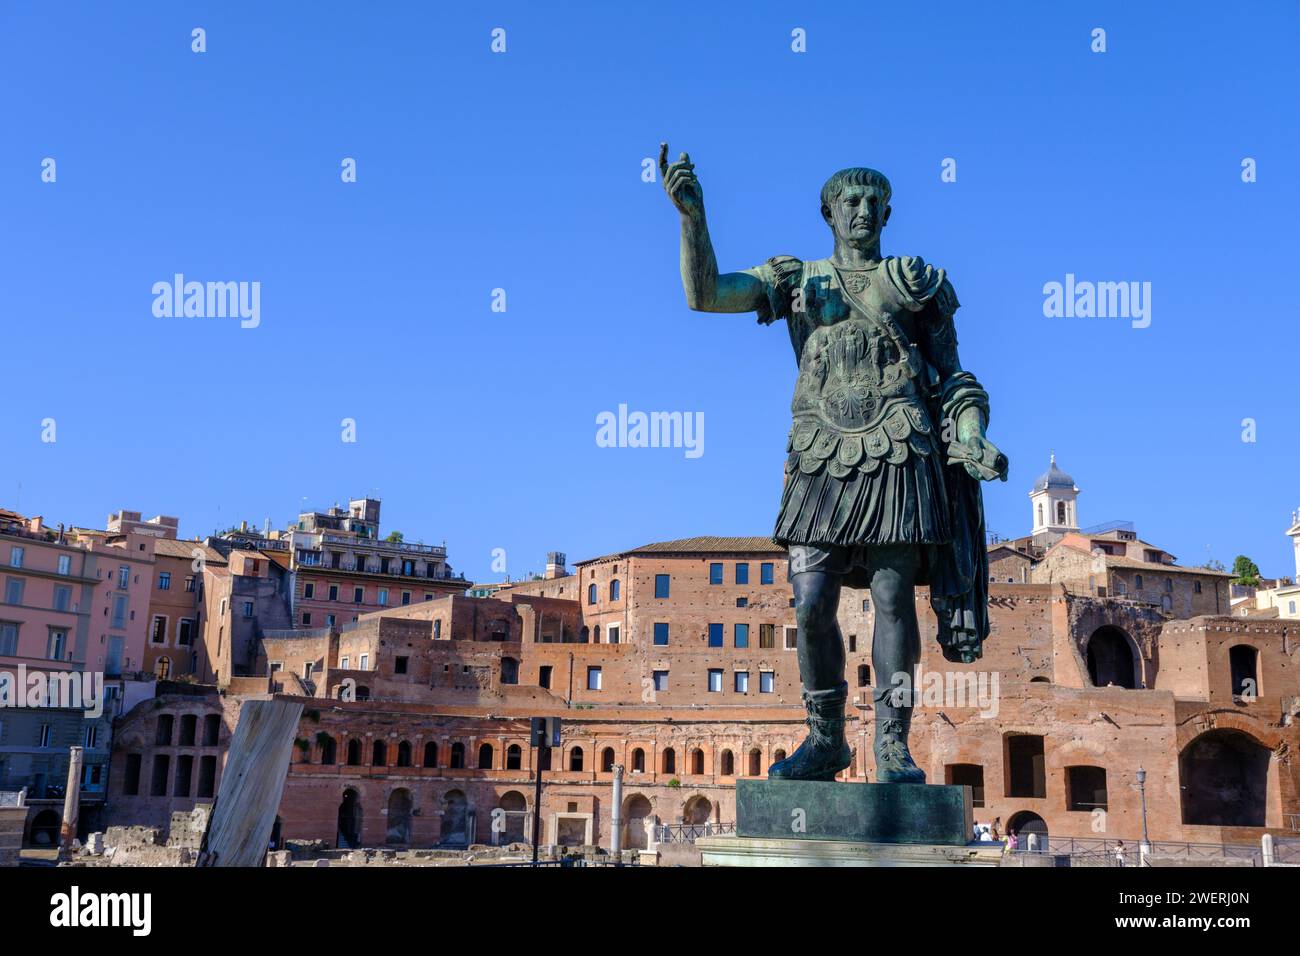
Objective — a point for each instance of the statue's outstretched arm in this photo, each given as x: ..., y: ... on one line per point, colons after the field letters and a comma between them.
x: 706, y: 290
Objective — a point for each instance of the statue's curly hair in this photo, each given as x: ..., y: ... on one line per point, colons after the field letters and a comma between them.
x: 855, y: 176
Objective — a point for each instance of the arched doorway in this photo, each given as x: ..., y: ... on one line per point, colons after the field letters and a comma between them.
x: 1023, y: 824
x: 349, y: 829
x: 698, y: 810
x: 514, y: 813
x: 44, y: 829
x: 1224, y: 775
x: 399, y: 817
x: 455, y: 819
x: 636, y: 814
x: 1111, y: 660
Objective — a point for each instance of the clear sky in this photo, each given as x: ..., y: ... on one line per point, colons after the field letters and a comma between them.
x: 522, y: 171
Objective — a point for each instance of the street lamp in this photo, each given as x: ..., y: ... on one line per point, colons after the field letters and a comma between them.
x: 1142, y: 789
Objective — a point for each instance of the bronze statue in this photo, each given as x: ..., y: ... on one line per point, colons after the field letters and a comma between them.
x: 885, y: 456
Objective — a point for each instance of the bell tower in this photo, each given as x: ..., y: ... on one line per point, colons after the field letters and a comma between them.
x: 1054, y: 503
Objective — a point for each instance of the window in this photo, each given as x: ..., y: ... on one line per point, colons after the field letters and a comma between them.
x: 158, y: 633
x: 1086, y: 789
x: 62, y: 598
x: 864, y: 675
x: 329, y: 620
x: 742, y: 682
x: 767, y: 636
x: 44, y: 739
x: 163, y: 731
x: 57, y: 644
x: 614, y: 590
x: 715, y: 635
x: 119, y: 611
x: 791, y: 638
x: 1196, y: 587
x: 766, y: 573
x: 383, y: 597
x: 715, y: 680
x: 661, y: 633
x: 661, y: 585
x: 334, y: 592
x: 406, y: 598
x: 742, y: 602
x: 853, y: 643
x: 211, y: 731
x: 185, y: 632
x: 866, y: 605
x: 742, y: 572
x: 365, y: 662
x: 131, y: 779
x: 1137, y: 582
x: 715, y: 573
x: 358, y: 595
x: 591, y: 593
x: 164, y: 580
x: 345, y: 662
x: 65, y: 564
x: 967, y: 775
x: 8, y: 639
x: 92, y: 736
x: 1026, y: 772
x: 400, y: 664
x: 741, y: 636
x: 593, y: 678
x: 248, y: 609
x: 14, y: 590
x: 189, y: 583
x: 437, y: 630
x: 16, y: 556
x: 123, y: 576
x: 309, y: 590
x: 306, y: 618
x: 661, y: 680
x: 766, y: 682
x: 189, y: 729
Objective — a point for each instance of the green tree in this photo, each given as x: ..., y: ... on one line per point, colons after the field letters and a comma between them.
x: 1245, y: 571
x: 394, y: 537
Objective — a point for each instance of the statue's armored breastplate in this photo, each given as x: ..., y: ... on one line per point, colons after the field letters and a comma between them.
x: 857, y: 400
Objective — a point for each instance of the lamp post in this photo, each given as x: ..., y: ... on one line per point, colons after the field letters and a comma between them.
x: 1145, y: 848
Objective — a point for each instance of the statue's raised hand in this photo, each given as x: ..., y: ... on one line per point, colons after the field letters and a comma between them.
x: 680, y: 183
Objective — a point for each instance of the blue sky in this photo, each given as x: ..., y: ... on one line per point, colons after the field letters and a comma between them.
x: 522, y: 171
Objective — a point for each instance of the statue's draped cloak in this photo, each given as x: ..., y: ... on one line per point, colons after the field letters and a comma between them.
x: 865, y: 459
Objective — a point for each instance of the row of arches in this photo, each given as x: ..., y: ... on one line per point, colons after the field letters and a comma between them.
x: 1113, y: 660
x: 510, y: 818
x: 382, y: 753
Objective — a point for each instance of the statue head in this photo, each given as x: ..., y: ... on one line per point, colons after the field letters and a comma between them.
x: 855, y: 204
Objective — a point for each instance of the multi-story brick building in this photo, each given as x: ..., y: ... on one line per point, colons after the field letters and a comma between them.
x: 75, y: 610
x: 342, y: 569
x: 415, y: 728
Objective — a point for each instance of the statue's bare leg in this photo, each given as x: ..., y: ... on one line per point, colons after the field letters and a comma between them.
x: 824, y: 752
x: 895, y: 651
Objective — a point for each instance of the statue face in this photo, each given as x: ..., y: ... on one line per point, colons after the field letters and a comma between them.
x: 857, y: 214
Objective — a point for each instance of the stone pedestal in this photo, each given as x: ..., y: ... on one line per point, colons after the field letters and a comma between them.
x: 813, y: 823
x: 927, y: 814
x: 757, y: 851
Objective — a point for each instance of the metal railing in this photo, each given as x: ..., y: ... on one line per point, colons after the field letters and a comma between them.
x: 689, y: 832
x: 1099, y: 851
